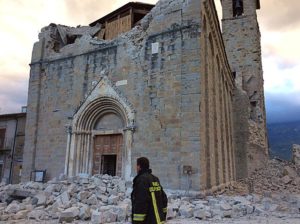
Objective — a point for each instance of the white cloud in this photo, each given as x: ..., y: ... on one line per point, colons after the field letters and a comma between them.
x: 280, y: 77
x: 282, y: 44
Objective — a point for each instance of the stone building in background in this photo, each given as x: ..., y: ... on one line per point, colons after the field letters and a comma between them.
x: 12, y: 138
x: 161, y: 84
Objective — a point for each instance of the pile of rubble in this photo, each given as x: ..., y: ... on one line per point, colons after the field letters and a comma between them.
x: 273, y: 191
x: 277, y: 176
x: 105, y: 199
x: 101, y: 199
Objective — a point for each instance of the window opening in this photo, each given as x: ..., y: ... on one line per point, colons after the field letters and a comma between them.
x: 238, y: 7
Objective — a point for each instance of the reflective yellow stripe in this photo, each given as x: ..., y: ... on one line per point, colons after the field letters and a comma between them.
x: 155, y: 184
x: 155, y: 208
x: 165, y: 210
x: 139, y: 217
x: 151, y: 189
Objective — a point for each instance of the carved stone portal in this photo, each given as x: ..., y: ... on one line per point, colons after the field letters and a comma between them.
x: 105, y: 112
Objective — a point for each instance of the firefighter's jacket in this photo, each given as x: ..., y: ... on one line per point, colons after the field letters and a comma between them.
x: 149, y: 201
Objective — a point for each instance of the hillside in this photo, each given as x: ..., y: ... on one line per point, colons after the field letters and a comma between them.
x: 281, y: 138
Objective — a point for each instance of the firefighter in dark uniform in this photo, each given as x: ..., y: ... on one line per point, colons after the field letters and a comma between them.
x: 149, y: 201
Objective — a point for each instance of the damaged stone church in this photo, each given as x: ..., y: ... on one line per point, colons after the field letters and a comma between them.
x: 158, y: 81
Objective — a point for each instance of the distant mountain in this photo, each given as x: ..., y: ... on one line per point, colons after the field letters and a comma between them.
x: 281, y: 138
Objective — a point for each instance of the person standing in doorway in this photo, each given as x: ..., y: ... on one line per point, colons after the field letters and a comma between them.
x: 149, y: 201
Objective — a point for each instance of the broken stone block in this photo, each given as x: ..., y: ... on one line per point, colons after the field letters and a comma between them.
x: 186, y: 211
x: 83, y: 195
x: 34, y: 185
x: 123, y: 210
x: 171, y: 213
x: 97, y: 217
x: 20, y: 214
x: 103, y: 198
x: 41, y: 198
x: 238, y: 210
x: 113, y: 200
x: 225, y: 206
x: 112, y: 191
x: 38, y: 215
x: 286, y: 179
x: 226, y: 214
x: 65, y: 198
x: 110, y: 216
x: 50, y: 188
x: 69, y: 214
x: 250, y: 209
x: 85, y: 212
x: 102, y: 189
x: 92, y: 200
x: 202, y: 214
x: 13, y: 207
x: 4, y: 217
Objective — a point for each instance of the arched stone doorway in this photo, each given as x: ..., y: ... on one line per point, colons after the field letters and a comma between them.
x: 100, y: 137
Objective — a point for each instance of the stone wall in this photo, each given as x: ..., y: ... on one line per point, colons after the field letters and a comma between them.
x: 242, y: 40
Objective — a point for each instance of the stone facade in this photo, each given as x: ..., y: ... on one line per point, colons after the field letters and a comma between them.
x: 242, y: 41
x: 166, y: 87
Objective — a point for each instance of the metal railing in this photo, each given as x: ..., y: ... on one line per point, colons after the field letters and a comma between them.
x: 6, y: 143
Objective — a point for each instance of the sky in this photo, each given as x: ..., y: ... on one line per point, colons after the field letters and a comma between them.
x: 22, y: 20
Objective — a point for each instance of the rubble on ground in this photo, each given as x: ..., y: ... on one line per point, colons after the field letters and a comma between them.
x: 100, y: 198
x: 105, y: 199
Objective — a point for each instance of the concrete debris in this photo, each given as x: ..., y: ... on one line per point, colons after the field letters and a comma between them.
x: 103, y: 199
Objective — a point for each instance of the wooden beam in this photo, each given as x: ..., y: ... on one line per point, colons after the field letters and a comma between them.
x: 141, y: 11
x: 132, y: 17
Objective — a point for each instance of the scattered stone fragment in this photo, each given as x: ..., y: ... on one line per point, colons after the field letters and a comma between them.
x: 69, y: 214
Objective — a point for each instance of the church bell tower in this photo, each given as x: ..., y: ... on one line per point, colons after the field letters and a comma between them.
x: 242, y: 41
